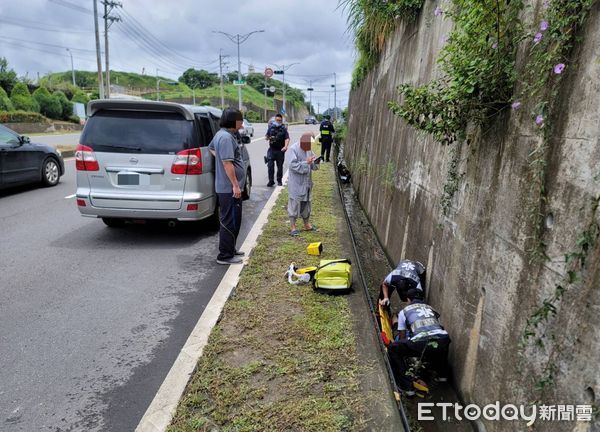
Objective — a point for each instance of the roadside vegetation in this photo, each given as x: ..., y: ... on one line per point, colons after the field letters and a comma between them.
x: 282, y: 357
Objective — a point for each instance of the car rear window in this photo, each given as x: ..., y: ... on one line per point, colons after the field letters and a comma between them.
x: 138, y: 132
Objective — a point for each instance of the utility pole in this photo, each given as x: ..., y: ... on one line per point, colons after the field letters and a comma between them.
x: 72, y: 68
x: 310, y: 90
x: 282, y: 70
x: 334, y: 97
x: 99, y: 61
x: 221, y: 57
x: 108, y: 20
x: 239, y: 39
x: 265, y: 89
x: 318, y: 107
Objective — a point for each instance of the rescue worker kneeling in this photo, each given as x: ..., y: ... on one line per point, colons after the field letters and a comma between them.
x: 421, y: 336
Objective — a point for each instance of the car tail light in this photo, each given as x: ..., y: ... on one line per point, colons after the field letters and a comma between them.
x: 81, y: 203
x: 192, y: 207
x: 187, y: 162
x: 85, y: 159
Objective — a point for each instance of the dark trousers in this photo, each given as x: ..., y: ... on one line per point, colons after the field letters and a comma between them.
x: 230, y: 220
x: 325, y: 148
x: 275, y: 156
x: 435, y: 356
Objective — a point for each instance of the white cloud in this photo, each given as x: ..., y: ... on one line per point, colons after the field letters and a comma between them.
x: 311, y: 32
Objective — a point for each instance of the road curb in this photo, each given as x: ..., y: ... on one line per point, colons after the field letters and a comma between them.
x: 159, y: 414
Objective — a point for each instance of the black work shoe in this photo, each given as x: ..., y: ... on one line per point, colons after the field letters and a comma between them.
x: 232, y: 260
x: 279, y: 183
x: 271, y: 184
x: 239, y: 253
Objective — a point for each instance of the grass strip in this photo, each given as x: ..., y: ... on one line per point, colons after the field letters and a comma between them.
x: 282, y: 357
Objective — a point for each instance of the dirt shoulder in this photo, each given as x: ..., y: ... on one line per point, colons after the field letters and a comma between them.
x: 283, y: 357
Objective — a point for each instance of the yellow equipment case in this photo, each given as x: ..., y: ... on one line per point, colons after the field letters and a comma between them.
x: 333, y: 275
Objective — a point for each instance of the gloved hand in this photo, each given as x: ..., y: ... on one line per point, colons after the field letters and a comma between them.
x: 384, y: 302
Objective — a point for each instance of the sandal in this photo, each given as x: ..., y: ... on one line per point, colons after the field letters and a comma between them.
x: 312, y: 228
x: 295, y: 233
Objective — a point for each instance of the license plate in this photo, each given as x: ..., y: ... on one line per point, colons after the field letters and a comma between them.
x: 128, y: 179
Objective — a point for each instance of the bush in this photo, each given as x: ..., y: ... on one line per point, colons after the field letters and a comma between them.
x: 49, y: 105
x: 65, y: 104
x: 5, y: 103
x: 80, y: 97
x: 22, y: 100
x: 253, y: 116
x: 21, y: 117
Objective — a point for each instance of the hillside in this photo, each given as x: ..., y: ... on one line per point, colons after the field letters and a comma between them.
x: 145, y: 86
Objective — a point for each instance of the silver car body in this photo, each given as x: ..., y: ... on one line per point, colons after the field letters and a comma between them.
x: 138, y: 180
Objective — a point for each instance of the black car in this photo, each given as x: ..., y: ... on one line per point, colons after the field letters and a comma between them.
x: 22, y: 161
x: 310, y: 120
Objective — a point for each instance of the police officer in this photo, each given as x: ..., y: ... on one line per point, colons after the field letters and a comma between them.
x: 422, y: 336
x: 408, y: 274
x: 278, y: 138
x: 327, y: 131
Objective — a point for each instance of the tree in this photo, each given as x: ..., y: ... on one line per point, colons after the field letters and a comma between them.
x: 201, y: 79
x: 231, y: 76
x: 5, y: 103
x: 49, y: 105
x: 22, y: 100
x: 8, y: 77
x: 65, y: 104
x: 80, y: 97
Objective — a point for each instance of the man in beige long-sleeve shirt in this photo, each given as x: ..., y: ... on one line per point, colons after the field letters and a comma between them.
x: 302, y: 163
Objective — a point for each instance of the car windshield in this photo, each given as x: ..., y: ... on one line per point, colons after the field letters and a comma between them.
x: 140, y: 132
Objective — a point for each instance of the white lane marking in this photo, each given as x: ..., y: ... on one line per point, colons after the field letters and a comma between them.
x: 257, y: 139
x: 70, y: 196
x: 159, y: 414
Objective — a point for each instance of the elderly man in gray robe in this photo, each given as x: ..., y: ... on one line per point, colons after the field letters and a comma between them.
x: 302, y: 163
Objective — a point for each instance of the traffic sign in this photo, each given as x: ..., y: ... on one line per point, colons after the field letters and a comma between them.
x: 272, y: 89
x: 282, y: 110
x: 278, y: 72
x: 310, y: 89
x: 268, y: 72
x: 239, y: 82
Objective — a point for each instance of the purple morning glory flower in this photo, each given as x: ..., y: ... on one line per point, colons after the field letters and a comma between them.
x: 437, y: 11
x: 537, y: 37
x: 515, y: 105
x: 546, y: 4
x: 544, y: 25
x: 559, y: 68
x: 495, y: 45
x: 539, y: 120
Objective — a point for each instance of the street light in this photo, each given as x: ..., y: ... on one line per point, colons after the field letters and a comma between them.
x: 72, y: 69
x: 283, y: 68
x: 239, y: 39
x: 158, y: 82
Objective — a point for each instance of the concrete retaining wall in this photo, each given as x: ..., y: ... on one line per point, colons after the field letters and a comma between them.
x: 477, y: 256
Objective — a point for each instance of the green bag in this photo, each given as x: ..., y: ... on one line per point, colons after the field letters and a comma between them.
x: 333, y: 275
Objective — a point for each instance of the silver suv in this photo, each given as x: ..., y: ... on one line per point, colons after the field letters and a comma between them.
x: 149, y: 160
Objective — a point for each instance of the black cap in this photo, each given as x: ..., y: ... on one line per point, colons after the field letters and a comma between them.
x: 414, y: 294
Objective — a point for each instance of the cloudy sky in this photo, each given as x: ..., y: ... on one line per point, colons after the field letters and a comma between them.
x: 172, y: 35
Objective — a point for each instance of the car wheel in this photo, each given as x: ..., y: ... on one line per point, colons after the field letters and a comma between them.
x: 248, y: 186
x: 50, y: 172
x: 113, y: 222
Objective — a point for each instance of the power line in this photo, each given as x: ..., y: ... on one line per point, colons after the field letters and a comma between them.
x: 38, y: 25
x: 45, y: 50
x: 45, y: 44
x: 72, y: 6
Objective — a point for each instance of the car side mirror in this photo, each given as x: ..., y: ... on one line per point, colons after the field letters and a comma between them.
x: 24, y: 139
x: 245, y: 139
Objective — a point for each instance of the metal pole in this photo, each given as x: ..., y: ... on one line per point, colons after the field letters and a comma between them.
x: 283, y: 75
x: 193, y: 95
x: 107, y: 91
x: 72, y: 69
x: 99, y: 61
x: 239, y: 75
x: 157, y: 81
x: 265, y: 89
x: 221, y: 73
x: 310, y: 98
x: 334, y: 97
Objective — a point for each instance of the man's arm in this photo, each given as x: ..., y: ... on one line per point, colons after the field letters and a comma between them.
x: 402, y: 325
x: 230, y: 171
x: 287, y: 141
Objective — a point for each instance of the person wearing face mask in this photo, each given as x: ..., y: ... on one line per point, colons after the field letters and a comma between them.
x: 302, y: 163
x: 278, y: 139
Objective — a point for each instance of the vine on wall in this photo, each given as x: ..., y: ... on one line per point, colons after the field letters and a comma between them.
x: 478, y: 66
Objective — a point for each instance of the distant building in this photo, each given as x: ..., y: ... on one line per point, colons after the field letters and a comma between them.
x: 251, y: 69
